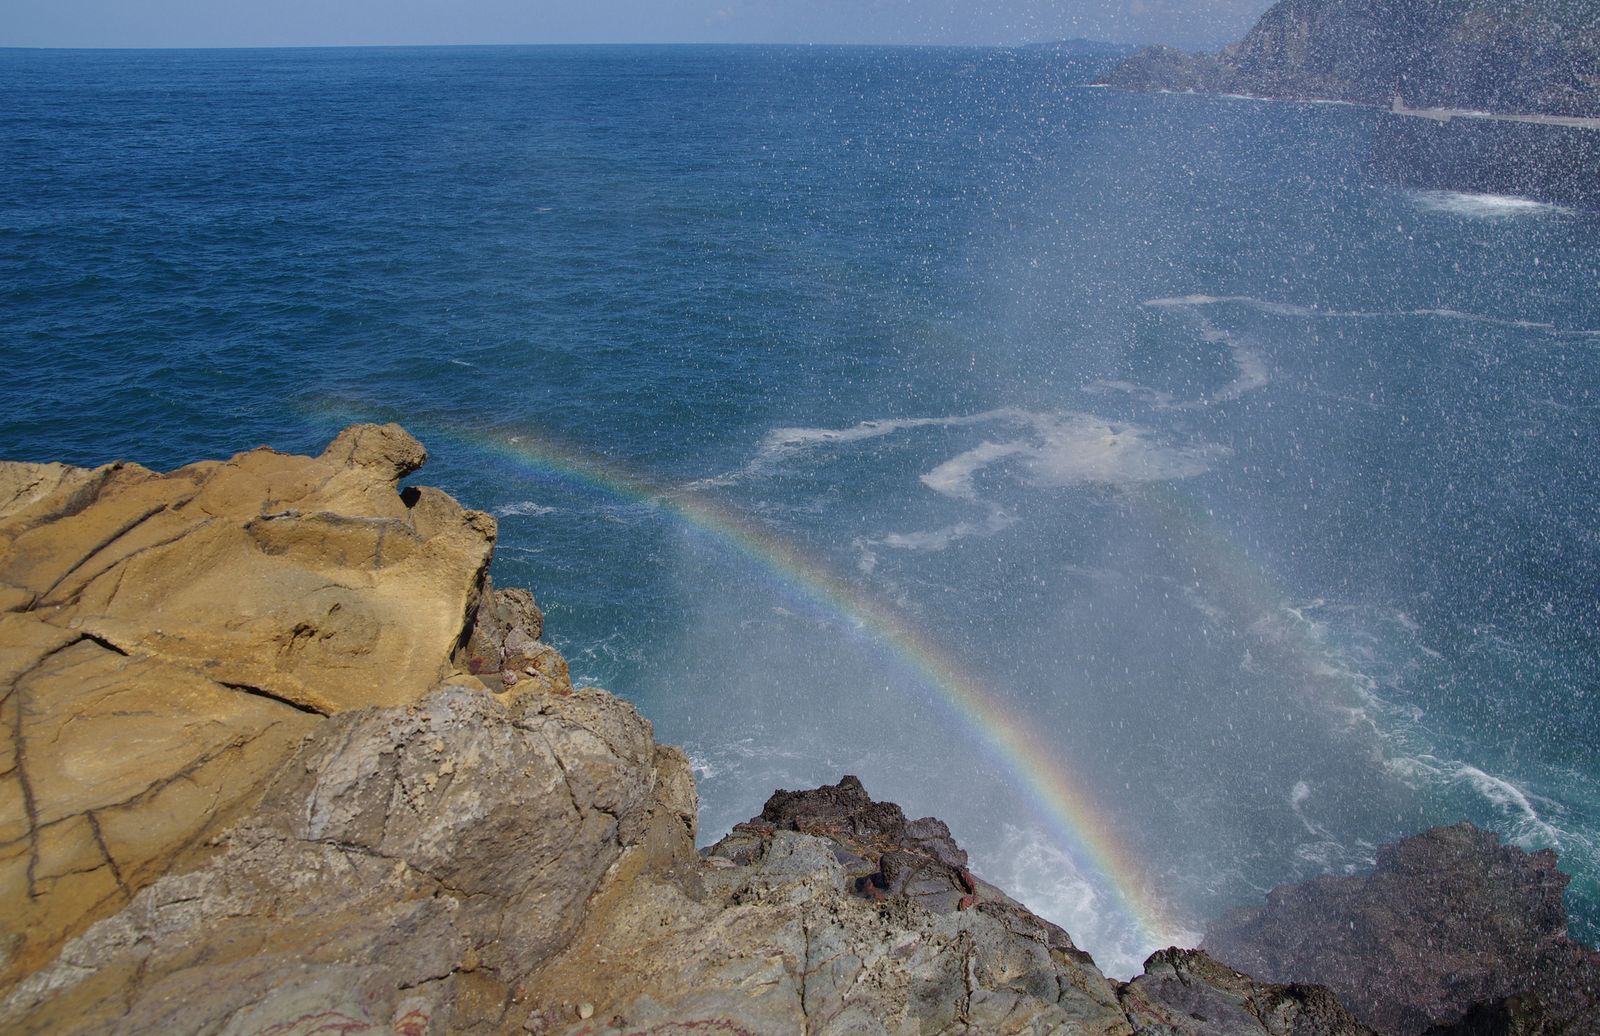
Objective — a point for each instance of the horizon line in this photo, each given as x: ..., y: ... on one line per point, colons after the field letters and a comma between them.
x: 573, y: 43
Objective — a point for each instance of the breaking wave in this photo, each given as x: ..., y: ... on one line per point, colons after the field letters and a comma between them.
x: 1046, y: 879
x: 1485, y: 206
x: 524, y: 508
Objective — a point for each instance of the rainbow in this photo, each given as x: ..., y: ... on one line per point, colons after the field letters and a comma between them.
x: 1040, y: 772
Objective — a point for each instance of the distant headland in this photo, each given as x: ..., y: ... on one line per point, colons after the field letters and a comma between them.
x: 1523, y: 57
x: 1486, y: 96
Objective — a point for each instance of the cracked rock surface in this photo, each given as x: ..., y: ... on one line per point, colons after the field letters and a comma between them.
x: 832, y: 914
x: 167, y: 639
x: 403, y: 872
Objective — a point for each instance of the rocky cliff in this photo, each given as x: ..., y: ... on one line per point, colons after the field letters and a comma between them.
x: 1513, y: 56
x: 280, y: 760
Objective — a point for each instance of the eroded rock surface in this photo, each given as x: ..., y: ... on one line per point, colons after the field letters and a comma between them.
x: 404, y: 872
x: 1185, y: 991
x: 1450, y: 921
x: 832, y: 914
x: 167, y: 639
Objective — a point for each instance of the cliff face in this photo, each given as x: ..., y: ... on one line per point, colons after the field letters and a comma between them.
x: 167, y: 639
x: 220, y: 825
x: 1511, y: 56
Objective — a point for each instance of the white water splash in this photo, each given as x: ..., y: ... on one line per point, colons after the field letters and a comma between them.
x: 1485, y: 206
x: 524, y: 508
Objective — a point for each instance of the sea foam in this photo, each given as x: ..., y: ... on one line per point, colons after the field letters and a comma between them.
x: 1288, y: 309
x: 524, y: 508
x: 1031, y: 867
x: 1485, y: 206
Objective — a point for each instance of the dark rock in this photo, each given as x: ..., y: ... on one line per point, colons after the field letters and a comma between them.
x: 1513, y: 1016
x: 845, y: 813
x: 1186, y: 993
x: 885, y: 855
x: 1449, y: 919
x: 504, y: 649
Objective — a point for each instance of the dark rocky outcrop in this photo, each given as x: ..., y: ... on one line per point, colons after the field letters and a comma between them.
x: 1513, y: 56
x: 884, y: 854
x: 1184, y: 991
x: 1451, y: 930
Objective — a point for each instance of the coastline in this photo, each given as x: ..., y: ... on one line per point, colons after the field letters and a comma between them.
x: 439, y: 832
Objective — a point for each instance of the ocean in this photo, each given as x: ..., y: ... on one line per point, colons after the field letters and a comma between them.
x: 1134, y: 482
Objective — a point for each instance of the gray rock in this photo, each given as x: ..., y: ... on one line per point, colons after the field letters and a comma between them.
x: 1186, y: 993
x: 408, y: 863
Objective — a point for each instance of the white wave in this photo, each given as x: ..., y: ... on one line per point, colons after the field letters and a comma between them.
x: 1251, y: 372
x: 1528, y: 828
x: 1350, y: 659
x: 1250, y: 368
x: 1323, y: 856
x: 1280, y: 308
x: 1201, y: 603
x: 953, y: 478
x: 711, y: 482
x: 781, y: 442
x: 1484, y: 206
x: 1142, y: 393
x: 1299, y: 795
x: 1292, y: 643
x: 1056, y: 449
x: 1076, y: 449
x: 1509, y: 799
x: 1285, y: 309
x: 1081, y: 448
x: 1034, y: 870
x: 523, y: 508
x: 937, y: 539
x: 1325, y: 101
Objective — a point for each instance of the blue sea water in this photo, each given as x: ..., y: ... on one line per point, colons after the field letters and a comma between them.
x: 1265, y: 490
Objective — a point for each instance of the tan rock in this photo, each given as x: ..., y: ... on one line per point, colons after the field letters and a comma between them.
x: 166, y: 640
x: 366, y: 889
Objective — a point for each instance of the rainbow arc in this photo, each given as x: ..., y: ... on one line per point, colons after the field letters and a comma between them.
x: 1038, y: 770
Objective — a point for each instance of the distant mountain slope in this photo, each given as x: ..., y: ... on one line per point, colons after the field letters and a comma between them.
x: 1080, y: 47
x: 1521, y: 56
